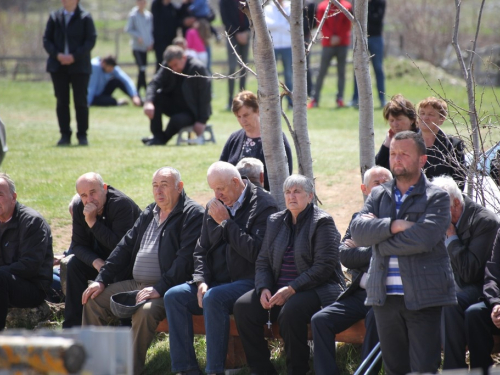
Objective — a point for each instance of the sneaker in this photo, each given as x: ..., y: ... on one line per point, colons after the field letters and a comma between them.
x: 155, y: 142
x: 340, y: 103
x: 65, y: 140
x: 312, y: 104
x: 146, y: 139
x: 121, y: 102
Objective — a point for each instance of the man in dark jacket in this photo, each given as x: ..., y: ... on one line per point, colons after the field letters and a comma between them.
x: 100, y: 220
x: 26, y: 255
x: 410, y: 277
x: 224, y: 259
x: 469, y: 240
x: 69, y: 37
x: 237, y: 27
x: 482, y: 320
x: 350, y: 306
x: 185, y: 101
x: 155, y: 255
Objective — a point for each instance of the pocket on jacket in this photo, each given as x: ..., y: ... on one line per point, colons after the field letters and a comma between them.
x: 9, y: 251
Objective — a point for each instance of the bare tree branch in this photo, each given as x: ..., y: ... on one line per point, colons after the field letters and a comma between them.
x: 238, y: 57
x: 281, y: 10
x: 320, y: 26
x: 213, y: 76
x: 473, y: 52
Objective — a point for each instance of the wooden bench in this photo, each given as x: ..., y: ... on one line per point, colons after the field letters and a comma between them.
x: 235, y: 353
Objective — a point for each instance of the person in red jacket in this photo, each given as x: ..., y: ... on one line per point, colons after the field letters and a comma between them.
x: 336, y: 39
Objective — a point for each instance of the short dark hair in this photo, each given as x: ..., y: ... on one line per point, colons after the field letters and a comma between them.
x: 400, y: 106
x: 109, y: 60
x: 172, y: 52
x: 416, y: 137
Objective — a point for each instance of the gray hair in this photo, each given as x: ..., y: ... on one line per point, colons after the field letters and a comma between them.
x: 173, y: 52
x: 252, y: 168
x: 224, y: 169
x: 299, y: 180
x: 368, y: 173
x: 91, y: 176
x: 449, y: 185
x: 10, y: 182
x: 174, y: 172
x: 76, y: 199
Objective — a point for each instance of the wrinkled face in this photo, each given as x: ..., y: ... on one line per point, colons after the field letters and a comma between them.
x: 226, y: 190
x: 90, y: 191
x: 165, y: 193
x: 377, y: 178
x: 297, y: 199
x: 429, y: 118
x: 399, y: 123
x: 177, y: 65
x: 404, y: 159
x: 248, y: 119
x: 7, y: 201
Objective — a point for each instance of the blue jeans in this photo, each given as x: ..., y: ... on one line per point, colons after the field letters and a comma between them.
x: 181, y: 304
x: 376, y: 48
x: 286, y: 58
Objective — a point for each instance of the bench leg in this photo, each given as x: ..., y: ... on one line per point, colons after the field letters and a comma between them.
x: 235, y: 354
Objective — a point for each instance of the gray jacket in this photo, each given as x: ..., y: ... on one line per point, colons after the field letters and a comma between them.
x: 423, y: 260
x: 316, y: 253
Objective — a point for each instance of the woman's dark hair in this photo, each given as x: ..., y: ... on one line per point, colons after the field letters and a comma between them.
x: 245, y: 98
x: 400, y: 106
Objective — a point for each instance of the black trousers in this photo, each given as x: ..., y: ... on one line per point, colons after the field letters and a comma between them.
x: 292, y: 317
x: 164, y: 104
x: 105, y: 99
x: 62, y: 81
x: 17, y: 292
x: 141, y: 60
x: 409, y: 339
x: 76, y: 282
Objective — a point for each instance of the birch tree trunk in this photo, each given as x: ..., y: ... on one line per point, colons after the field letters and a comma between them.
x: 299, y: 132
x: 362, y: 72
x: 269, y: 103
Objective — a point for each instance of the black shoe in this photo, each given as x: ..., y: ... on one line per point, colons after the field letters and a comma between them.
x: 145, y: 140
x: 83, y: 141
x: 155, y: 142
x: 65, y: 140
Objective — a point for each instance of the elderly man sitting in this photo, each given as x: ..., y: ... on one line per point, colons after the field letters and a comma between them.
x: 26, y: 252
x: 469, y: 241
x: 224, y: 258
x: 155, y: 255
x: 252, y: 168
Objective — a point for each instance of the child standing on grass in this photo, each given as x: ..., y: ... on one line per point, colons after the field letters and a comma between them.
x: 140, y: 28
x: 197, y: 40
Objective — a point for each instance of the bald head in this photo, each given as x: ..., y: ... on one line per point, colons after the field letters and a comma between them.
x: 225, y: 180
x: 92, y: 190
x: 373, y: 177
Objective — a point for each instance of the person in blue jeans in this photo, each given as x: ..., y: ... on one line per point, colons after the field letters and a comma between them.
x: 376, y: 12
x: 233, y: 228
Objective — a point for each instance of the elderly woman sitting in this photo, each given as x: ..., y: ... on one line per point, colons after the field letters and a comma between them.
x: 297, y: 272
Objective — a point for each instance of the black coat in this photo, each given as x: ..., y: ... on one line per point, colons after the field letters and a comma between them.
x: 229, y: 254
x: 81, y: 35
x: 175, y: 252
x: 469, y: 252
x: 316, y: 245
x: 491, y: 287
x: 196, y: 91
x: 26, y: 247
x: 118, y: 216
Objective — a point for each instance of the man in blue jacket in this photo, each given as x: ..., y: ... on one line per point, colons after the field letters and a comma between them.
x: 106, y: 77
x: 410, y: 277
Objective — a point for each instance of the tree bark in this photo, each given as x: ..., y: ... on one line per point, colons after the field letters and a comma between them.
x: 269, y: 103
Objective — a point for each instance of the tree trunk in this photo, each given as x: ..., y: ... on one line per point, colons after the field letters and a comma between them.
x: 362, y: 72
x: 269, y: 103
x: 299, y: 132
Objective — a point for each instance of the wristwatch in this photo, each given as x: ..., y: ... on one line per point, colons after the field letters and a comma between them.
x: 223, y: 223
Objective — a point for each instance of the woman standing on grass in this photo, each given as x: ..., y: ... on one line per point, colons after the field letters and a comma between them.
x: 69, y: 37
x: 400, y: 113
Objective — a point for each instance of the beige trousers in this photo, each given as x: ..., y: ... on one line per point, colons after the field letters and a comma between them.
x: 97, y: 312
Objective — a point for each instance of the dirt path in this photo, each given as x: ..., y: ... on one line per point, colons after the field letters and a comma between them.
x: 340, y: 195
